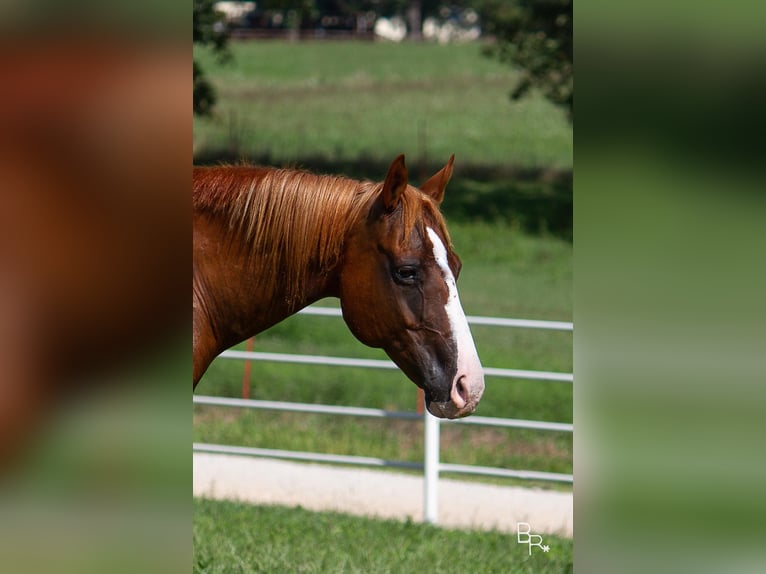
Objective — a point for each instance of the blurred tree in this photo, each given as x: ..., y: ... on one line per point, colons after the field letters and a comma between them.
x: 413, y: 10
x: 296, y: 11
x: 414, y: 17
x: 535, y: 35
x: 208, y: 30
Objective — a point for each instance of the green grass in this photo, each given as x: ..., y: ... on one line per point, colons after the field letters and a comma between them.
x: 238, y: 538
x: 344, y: 101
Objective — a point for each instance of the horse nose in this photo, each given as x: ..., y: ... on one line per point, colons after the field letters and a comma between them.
x: 465, y: 394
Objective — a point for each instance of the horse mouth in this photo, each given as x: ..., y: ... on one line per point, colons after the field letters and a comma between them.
x: 449, y: 410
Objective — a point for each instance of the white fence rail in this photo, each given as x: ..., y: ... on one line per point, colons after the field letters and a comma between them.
x: 472, y: 319
x: 382, y: 364
x: 431, y: 466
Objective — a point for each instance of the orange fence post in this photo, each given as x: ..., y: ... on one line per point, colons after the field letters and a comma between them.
x: 246, y: 371
x: 421, y: 402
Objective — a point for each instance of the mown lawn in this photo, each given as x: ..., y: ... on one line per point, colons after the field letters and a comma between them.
x: 238, y: 538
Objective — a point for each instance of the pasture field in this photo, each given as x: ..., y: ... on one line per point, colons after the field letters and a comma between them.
x: 347, y: 101
x: 232, y: 537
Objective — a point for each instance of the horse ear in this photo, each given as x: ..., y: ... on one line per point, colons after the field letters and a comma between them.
x: 437, y: 183
x: 395, y: 184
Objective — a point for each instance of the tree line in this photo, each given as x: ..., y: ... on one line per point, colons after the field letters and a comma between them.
x: 534, y: 36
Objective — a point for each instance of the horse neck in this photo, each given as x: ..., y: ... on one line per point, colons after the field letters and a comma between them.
x: 246, y: 287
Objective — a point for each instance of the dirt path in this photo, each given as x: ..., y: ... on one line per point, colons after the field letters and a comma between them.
x: 379, y: 493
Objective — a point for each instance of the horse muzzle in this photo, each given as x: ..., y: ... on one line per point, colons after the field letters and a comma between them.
x: 465, y: 394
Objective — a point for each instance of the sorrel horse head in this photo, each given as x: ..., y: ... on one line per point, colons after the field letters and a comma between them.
x: 268, y: 242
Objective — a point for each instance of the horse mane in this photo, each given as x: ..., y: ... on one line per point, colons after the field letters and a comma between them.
x: 293, y: 221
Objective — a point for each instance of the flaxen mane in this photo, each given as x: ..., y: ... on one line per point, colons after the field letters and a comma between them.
x: 294, y: 220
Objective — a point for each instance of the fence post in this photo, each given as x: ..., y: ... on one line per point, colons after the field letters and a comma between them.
x: 246, y: 372
x: 431, y: 469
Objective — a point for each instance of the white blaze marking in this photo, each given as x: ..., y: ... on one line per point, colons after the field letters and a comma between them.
x: 467, y: 358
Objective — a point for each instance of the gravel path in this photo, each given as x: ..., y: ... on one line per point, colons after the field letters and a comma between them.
x: 379, y: 493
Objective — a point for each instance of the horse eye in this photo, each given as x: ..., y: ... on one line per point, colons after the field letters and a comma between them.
x: 406, y: 274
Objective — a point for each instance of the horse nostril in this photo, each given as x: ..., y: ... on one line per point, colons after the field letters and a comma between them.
x: 459, y: 393
x: 461, y: 389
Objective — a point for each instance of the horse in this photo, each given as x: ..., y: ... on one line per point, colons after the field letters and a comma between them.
x: 268, y: 242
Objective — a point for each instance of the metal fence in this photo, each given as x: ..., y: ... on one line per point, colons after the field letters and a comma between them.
x: 431, y: 466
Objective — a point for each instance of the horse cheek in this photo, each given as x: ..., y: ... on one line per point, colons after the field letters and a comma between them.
x: 358, y: 313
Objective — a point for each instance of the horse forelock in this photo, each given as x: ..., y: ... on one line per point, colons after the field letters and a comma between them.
x: 420, y: 212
